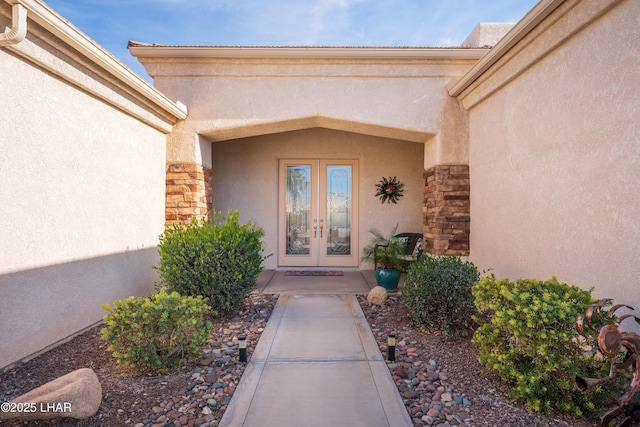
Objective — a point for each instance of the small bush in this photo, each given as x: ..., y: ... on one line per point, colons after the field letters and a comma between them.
x: 155, y: 333
x: 530, y: 340
x: 219, y: 259
x: 437, y: 293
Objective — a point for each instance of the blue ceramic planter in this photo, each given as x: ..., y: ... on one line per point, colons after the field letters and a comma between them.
x: 388, y: 279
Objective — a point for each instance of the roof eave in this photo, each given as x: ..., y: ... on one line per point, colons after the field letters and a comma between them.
x: 54, y: 23
x: 536, y: 15
x: 310, y: 52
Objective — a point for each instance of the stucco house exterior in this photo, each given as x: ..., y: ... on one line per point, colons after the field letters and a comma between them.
x: 519, y: 150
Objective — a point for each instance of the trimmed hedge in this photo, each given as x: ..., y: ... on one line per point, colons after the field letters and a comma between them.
x: 437, y: 293
x: 219, y: 259
x: 156, y: 333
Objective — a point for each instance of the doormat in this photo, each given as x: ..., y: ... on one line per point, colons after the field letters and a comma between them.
x: 313, y: 273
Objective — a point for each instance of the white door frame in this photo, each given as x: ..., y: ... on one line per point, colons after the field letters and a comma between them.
x: 318, y: 255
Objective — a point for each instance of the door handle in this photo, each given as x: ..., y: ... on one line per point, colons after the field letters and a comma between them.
x: 321, y: 227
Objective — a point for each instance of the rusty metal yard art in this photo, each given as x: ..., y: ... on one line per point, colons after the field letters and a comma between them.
x: 615, y: 345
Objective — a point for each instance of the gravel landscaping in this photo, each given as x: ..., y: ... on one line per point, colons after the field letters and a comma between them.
x: 441, y: 381
x: 196, y: 395
x: 438, y: 377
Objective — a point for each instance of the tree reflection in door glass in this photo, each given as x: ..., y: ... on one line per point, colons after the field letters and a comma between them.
x: 297, y: 209
x: 338, y: 210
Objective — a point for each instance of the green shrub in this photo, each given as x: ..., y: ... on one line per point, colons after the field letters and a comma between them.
x: 529, y: 338
x: 155, y: 333
x: 219, y: 259
x: 437, y: 293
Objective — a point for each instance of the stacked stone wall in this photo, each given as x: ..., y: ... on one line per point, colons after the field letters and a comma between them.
x: 446, y: 210
x: 189, y: 192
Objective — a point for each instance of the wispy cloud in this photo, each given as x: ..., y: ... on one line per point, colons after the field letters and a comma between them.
x: 283, y: 22
x: 331, y: 17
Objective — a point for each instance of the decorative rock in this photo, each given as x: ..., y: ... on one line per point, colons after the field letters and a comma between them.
x: 433, y: 413
x: 377, y: 296
x: 75, y: 395
x: 410, y: 394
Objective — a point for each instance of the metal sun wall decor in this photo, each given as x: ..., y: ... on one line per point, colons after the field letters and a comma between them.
x: 389, y: 190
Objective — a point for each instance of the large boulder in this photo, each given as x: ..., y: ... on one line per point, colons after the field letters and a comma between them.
x: 75, y: 395
x: 377, y: 295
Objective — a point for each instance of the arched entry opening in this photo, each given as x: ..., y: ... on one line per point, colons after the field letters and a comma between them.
x: 335, y: 174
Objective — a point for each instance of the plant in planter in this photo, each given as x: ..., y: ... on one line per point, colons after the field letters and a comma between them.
x: 388, y: 255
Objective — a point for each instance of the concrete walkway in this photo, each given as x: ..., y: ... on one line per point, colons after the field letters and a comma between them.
x: 316, y: 364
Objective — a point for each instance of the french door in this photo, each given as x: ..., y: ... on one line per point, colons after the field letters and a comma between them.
x: 318, y: 213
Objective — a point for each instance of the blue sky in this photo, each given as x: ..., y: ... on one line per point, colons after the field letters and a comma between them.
x: 112, y: 23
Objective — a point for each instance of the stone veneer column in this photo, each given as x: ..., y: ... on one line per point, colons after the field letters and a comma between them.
x: 189, y: 192
x: 446, y: 210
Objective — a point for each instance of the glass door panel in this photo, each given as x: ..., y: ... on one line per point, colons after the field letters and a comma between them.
x: 318, y: 213
x: 338, y: 213
x: 338, y: 210
x: 298, y: 209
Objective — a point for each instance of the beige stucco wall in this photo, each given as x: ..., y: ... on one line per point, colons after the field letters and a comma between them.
x: 82, y: 190
x: 394, y: 93
x: 245, y: 176
x: 555, y: 153
x: 249, y: 105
